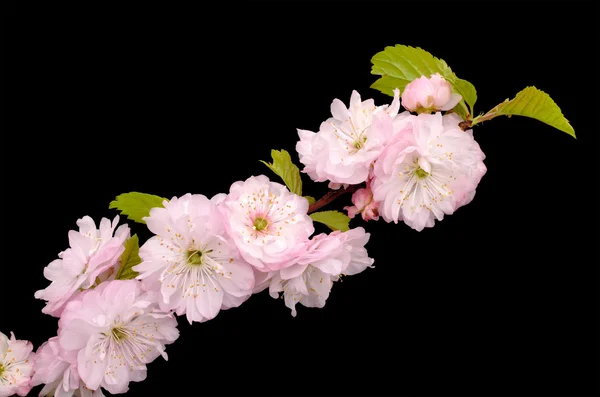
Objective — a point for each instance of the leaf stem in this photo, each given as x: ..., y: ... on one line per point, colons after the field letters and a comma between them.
x: 330, y: 196
x: 464, y: 105
x: 485, y: 117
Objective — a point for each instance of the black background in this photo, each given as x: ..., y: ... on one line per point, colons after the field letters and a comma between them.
x: 500, y: 298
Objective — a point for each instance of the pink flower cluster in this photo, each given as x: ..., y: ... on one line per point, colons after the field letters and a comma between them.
x: 213, y: 254
x: 417, y: 168
x: 209, y: 255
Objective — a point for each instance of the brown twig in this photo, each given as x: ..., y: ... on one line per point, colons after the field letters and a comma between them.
x: 330, y: 196
x: 465, y: 125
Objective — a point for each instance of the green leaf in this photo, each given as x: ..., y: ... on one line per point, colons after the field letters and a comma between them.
x: 129, y: 258
x: 136, y: 205
x: 461, y: 110
x: 533, y: 103
x: 282, y: 165
x: 466, y: 90
x: 399, y: 65
x: 311, y: 200
x: 335, y: 220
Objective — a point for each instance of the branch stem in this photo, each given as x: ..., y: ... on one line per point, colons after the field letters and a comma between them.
x: 330, y: 196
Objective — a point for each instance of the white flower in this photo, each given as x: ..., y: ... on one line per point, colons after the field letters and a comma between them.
x: 267, y: 222
x: 16, y: 366
x: 115, y: 330
x: 57, y: 370
x: 430, y: 169
x: 346, y: 145
x: 191, y: 262
x: 92, y: 252
x: 309, y: 280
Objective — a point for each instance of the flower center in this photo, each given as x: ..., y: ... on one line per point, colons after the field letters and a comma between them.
x: 359, y: 144
x: 1, y: 370
x: 118, y: 334
x: 195, y: 257
x: 420, y: 173
x: 260, y: 224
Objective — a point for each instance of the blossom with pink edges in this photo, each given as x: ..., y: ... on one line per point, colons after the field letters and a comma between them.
x: 309, y: 280
x: 267, y: 222
x: 114, y: 330
x: 16, y: 365
x: 93, y: 254
x: 346, y: 144
x: 56, y: 369
x: 191, y: 262
x: 431, y: 169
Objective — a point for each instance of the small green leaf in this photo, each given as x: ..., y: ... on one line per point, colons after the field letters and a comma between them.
x: 399, y: 65
x: 311, y: 199
x: 282, y: 165
x: 136, y: 205
x: 335, y: 220
x: 533, y: 103
x: 129, y: 258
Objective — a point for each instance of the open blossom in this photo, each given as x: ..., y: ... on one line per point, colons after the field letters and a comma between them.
x: 429, y: 94
x: 363, y: 204
x: 16, y: 366
x: 93, y: 253
x: 56, y: 369
x: 191, y: 261
x: 324, y: 260
x: 431, y: 169
x: 347, y: 143
x: 268, y: 223
x: 114, y: 330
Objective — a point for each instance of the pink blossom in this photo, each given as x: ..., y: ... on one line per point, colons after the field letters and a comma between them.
x: 347, y: 143
x: 364, y: 205
x: 115, y: 330
x: 309, y: 280
x: 16, y: 366
x: 429, y: 94
x: 262, y: 280
x: 93, y: 253
x: 56, y: 369
x: 267, y: 222
x: 353, y: 242
x: 430, y: 169
x: 337, y: 186
x: 191, y: 262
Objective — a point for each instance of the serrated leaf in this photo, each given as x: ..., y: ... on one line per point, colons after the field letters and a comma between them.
x: 136, y: 205
x: 335, y: 220
x: 311, y: 199
x: 387, y: 84
x: 282, y: 165
x: 536, y: 104
x: 401, y: 64
x: 129, y: 258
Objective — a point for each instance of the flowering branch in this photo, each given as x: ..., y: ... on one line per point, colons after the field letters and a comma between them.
x: 331, y: 196
x: 212, y: 254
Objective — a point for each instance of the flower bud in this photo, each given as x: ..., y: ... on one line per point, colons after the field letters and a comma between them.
x: 426, y: 95
x: 363, y: 204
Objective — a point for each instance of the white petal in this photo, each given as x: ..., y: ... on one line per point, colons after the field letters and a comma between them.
x: 454, y: 100
x: 292, y: 271
x: 339, y: 110
x: 424, y: 164
x: 209, y: 300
